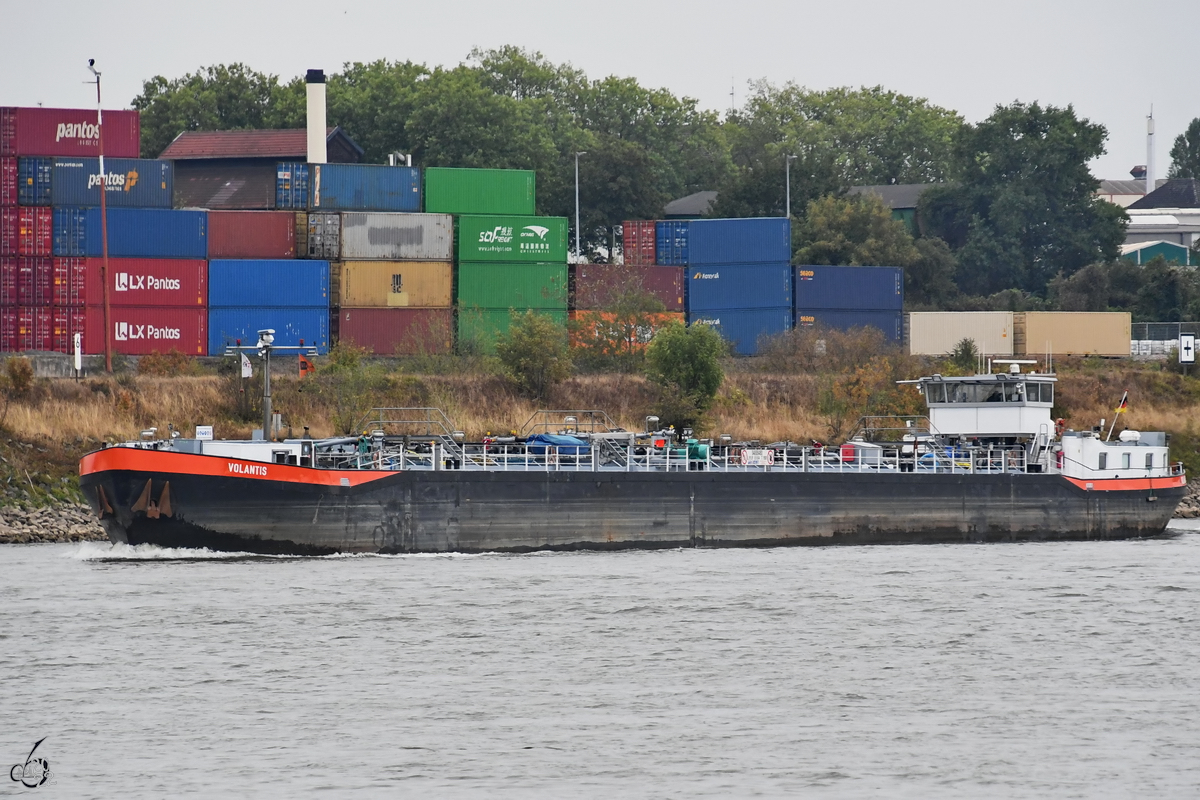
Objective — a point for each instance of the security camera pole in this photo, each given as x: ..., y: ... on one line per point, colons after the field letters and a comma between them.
x: 103, y: 224
x: 266, y: 338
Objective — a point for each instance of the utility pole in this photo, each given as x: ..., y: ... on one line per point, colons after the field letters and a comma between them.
x: 578, y: 251
x: 266, y: 338
x: 788, y: 169
x: 103, y: 224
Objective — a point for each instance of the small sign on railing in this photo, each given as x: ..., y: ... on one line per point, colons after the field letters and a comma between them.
x: 752, y: 457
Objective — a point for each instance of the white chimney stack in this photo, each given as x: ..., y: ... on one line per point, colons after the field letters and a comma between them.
x: 1150, y: 152
x: 315, y: 81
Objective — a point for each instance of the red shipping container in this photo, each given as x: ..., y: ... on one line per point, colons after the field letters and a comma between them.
x: 8, y: 280
x: 603, y: 286
x: 8, y: 181
x: 68, y: 132
x: 34, y: 328
x: 251, y: 234
x: 70, y: 282
x: 180, y: 282
x: 35, y: 231
x: 637, y: 242
x: 10, y: 240
x: 397, y: 331
x: 8, y: 329
x: 35, y: 281
x: 66, y: 323
x: 138, y: 330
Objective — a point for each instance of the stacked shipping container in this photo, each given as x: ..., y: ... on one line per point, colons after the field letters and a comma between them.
x: 851, y: 297
x: 248, y: 295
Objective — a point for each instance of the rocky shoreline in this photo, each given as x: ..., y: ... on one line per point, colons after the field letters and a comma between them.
x: 72, y: 522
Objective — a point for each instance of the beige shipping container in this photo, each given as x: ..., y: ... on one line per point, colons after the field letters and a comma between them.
x: 935, y: 333
x: 1072, y: 333
x: 396, y: 284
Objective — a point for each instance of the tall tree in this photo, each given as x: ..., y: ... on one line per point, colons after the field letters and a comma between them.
x: 1024, y: 208
x: 856, y: 231
x: 1185, y: 153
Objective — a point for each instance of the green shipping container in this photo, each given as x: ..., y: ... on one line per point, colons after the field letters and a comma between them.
x: 524, y: 239
x: 478, y: 328
x: 505, y: 286
x: 480, y: 191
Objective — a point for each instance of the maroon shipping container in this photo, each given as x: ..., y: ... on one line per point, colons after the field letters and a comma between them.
x: 66, y: 323
x: 23, y: 328
x: 70, y: 282
x: 8, y: 181
x: 8, y: 329
x: 637, y: 241
x: 600, y: 287
x: 397, y: 331
x: 8, y: 280
x: 138, y: 330
x: 68, y: 132
x: 35, y: 231
x: 251, y: 234
x: 10, y: 240
x: 179, y: 282
x: 35, y: 281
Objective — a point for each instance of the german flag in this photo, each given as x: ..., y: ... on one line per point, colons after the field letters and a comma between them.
x: 1124, y: 406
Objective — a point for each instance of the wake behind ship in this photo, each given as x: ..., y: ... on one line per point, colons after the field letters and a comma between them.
x: 987, y: 464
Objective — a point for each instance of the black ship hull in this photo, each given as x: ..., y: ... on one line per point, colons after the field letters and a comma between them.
x: 181, y: 500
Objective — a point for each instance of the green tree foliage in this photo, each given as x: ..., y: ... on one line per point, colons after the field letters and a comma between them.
x: 1185, y: 153
x: 929, y: 278
x: 352, y: 383
x: 856, y: 230
x: 686, y: 363
x: 535, y: 354
x: 614, y: 338
x: 1024, y: 208
x: 1154, y: 292
x: 841, y: 138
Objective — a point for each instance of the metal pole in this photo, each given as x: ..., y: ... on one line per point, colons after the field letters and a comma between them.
x: 103, y: 225
x: 578, y: 251
x: 267, y: 432
x: 788, y: 162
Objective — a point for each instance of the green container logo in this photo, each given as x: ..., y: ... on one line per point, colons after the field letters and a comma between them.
x: 539, y: 239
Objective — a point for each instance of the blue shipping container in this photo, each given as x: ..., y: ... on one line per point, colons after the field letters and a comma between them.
x: 760, y: 240
x: 34, y: 180
x: 131, y: 182
x: 291, y: 185
x: 364, y: 187
x: 671, y: 243
x: 743, y: 327
x: 890, y: 322
x: 132, y: 232
x: 850, y: 288
x: 227, y: 325
x: 238, y: 282
x: 739, y: 286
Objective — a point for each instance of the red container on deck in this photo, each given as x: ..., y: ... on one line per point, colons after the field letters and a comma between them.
x: 251, y: 234
x: 8, y: 280
x: 601, y: 287
x: 179, y: 282
x: 138, y: 330
x: 35, y: 281
x: 637, y: 241
x: 397, y: 331
x: 68, y: 132
x: 8, y: 181
x: 9, y: 231
x: 70, y: 282
x: 35, y: 231
x: 66, y: 323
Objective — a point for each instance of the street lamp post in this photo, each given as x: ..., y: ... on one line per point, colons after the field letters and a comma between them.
x: 103, y: 223
x: 578, y: 251
x: 788, y: 169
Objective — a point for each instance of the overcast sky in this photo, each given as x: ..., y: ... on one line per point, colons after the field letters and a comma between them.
x: 1111, y: 59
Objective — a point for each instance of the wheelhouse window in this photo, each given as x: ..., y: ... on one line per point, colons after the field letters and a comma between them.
x: 1125, y: 460
x: 1149, y: 460
x: 1103, y: 461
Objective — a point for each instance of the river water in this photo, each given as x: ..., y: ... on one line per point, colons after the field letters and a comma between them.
x: 1026, y: 670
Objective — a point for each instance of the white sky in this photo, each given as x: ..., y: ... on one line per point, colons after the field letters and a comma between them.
x: 1112, y: 59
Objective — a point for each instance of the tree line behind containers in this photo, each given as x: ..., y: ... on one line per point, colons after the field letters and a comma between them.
x: 1031, y: 333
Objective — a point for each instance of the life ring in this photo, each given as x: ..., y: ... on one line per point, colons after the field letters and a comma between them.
x: 1060, y: 425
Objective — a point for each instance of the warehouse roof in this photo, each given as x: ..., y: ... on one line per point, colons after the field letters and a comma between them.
x: 896, y: 195
x: 289, y: 143
x: 1127, y: 186
x: 1175, y: 193
x: 694, y: 205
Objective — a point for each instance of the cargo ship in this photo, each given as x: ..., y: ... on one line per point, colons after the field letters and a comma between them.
x: 986, y: 464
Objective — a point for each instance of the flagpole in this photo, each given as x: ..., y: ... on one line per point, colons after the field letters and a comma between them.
x: 1120, y: 410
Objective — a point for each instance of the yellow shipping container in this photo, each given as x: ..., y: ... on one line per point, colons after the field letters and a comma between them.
x: 936, y: 333
x: 396, y: 284
x: 1066, y: 333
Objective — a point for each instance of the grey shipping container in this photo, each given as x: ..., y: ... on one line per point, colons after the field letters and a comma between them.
x: 386, y: 236
x: 323, y: 238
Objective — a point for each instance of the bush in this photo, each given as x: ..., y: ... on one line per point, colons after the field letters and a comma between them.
x: 167, y: 365
x: 534, y: 354
x: 686, y: 363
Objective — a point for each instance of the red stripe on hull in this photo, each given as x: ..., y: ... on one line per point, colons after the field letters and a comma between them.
x: 1129, y: 484
x: 164, y: 463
